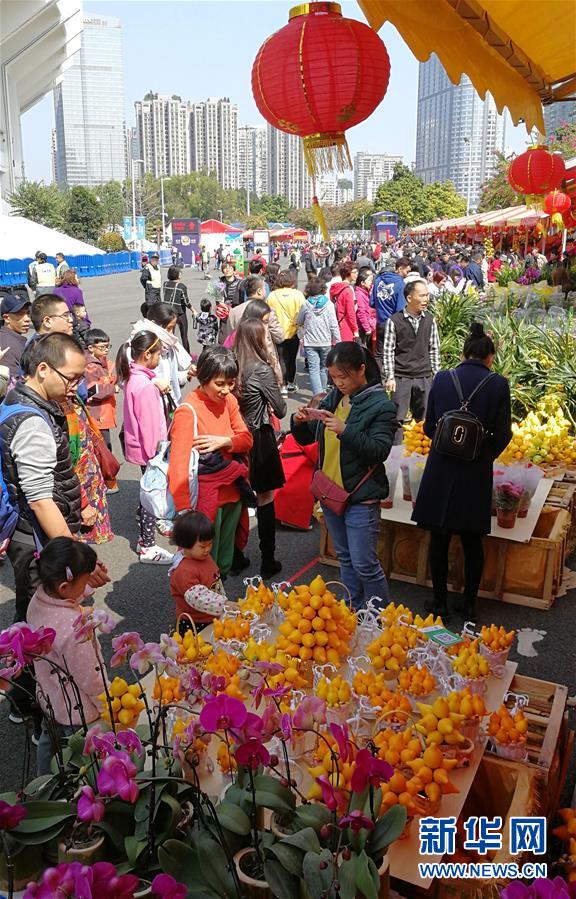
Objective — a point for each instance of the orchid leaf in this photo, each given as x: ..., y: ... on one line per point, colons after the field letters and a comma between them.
x: 306, y: 839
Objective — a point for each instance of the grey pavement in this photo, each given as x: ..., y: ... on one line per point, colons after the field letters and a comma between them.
x: 138, y: 594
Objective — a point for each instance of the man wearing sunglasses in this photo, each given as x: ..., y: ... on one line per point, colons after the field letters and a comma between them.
x: 37, y: 467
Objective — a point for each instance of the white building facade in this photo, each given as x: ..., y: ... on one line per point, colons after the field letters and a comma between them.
x: 213, y: 137
x: 89, y: 109
x: 458, y: 135
x: 370, y: 171
x: 253, y: 159
x: 162, y: 125
x: 287, y: 173
x: 334, y: 190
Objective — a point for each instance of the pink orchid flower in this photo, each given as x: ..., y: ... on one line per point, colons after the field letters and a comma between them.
x: 89, y: 807
x: 222, y: 712
x: 149, y: 656
x: 286, y: 726
x: 329, y: 793
x: 89, y: 621
x: 252, y: 754
x: 250, y: 730
x: 369, y: 770
x: 169, y: 647
x: 130, y: 741
x: 11, y: 815
x: 123, y: 644
x: 108, y: 884
x: 310, y: 713
x: 19, y: 643
x: 356, y: 821
x: 340, y: 734
x: 165, y: 887
x: 116, y: 777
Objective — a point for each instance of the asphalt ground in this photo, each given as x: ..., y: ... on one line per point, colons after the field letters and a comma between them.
x: 138, y: 595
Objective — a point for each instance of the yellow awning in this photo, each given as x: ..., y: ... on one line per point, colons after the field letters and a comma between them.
x: 522, y: 51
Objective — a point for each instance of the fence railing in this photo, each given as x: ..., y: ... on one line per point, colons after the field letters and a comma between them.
x: 15, y: 271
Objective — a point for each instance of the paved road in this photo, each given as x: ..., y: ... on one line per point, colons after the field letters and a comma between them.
x: 138, y: 595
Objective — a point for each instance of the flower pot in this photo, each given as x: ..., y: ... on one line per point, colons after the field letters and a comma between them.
x: 280, y: 824
x: 514, y: 751
x: 475, y: 684
x: 506, y: 518
x: 496, y: 660
x: 27, y: 864
x: 461, y: 751
x: 145, y: 890
x: 85, y: 853
x: 250, y: 887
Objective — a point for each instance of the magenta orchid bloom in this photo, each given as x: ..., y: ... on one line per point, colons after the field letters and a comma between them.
x: 89, y: 621
x: 89, y: 807
x: 108, y: 884
x: 252, y: 754
x: 116, y: 777
x: 356, y: 821
x: 222, y: 713
x: 190, y: 680
x: 541, y: 888
x: 11, y: 815
x: 213, y: 683
x: 329, y: 793
x: 72, y: 881
x: 340, y: 734
x: 130, y: 741
x: 123, y: 644
x: 165, y: 887
x: 250, y: 730
x: 369, y: 770
x: 310, y: 713
x: 19, y: 643
x: 286, y: 726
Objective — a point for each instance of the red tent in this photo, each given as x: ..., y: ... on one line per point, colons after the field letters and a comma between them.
x: 213, y: 226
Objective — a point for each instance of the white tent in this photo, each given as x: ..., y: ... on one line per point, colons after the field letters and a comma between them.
x: 21, y: 238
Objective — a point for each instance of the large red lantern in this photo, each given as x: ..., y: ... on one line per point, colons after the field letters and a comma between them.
x: 318, y: 76
x: 536, y: 171
x: 555, y: 204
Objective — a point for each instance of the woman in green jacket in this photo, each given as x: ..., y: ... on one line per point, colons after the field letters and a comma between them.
x: 354, y: 426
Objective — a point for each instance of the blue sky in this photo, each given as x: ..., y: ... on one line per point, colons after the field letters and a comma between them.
x: 205, y: 48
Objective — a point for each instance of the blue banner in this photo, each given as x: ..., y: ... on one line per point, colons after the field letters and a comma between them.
x: 127, y: 227
x: 140, y: 227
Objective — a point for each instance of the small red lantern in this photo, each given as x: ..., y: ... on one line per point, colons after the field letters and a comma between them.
x: 536, y: 171
x: 556, y: 202
x: 319, y: 75
x: 569, y: 218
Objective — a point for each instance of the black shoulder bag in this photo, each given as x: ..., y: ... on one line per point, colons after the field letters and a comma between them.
x: 460, y: 433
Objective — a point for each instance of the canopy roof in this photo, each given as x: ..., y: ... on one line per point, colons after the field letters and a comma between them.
x: 213, y: 226
x: 509, y: 217
x: 523, y: 53
x: 21, y: 238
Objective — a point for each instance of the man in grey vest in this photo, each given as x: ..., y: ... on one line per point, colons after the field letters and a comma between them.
x: 411, y: 354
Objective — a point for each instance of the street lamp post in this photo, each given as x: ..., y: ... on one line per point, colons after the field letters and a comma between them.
x: 133, y: 161
x: 162, y: 179
x: 468, y: 140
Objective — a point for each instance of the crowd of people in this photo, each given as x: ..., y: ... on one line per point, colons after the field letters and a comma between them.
x: 361, y: 328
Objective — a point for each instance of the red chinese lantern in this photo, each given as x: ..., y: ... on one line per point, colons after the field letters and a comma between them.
x: 555, y: 204
x: 536, y: 171
x: 319, y: 75
x: 569, y: 218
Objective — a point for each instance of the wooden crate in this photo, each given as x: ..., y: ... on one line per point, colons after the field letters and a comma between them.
x: 549, y: 737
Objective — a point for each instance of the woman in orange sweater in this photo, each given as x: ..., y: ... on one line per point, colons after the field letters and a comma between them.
x: 212, y: 413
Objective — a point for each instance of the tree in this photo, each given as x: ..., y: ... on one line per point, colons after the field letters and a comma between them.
x: 415, y: 202
x: 563, y: 140
x: 275, y: 209
x: 40, y: 203
x: 496, y: 191
x: 303, y: 218
x: 84, y: 217
x: 111, y: 241
x: 256, y: 221
x: 112, y: 203
x: 443, y: 201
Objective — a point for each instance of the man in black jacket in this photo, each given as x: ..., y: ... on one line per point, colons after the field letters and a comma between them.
x: 151, y: 280
x: 176, y: 295
x: 473, y: 270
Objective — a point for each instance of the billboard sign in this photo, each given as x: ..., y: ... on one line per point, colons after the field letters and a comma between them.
x: 186, y: 238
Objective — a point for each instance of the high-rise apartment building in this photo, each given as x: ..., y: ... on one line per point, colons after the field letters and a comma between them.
x: 370, y: 171
x: 287, y: 173
x: 253, y: 159
x: 89, y: 109
x: 557, y: 113
x: 457, y: 134
x: 162, y: 126
x: 133, y: 152
x: 334, y: 190
x: 214, y: 139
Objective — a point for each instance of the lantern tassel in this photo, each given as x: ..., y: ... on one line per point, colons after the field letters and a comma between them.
x: 319, y: 216
x: 556, y: 219
x: 326, y: 153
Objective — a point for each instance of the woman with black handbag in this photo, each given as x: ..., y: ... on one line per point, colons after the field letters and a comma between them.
x: 354, y: 426
x: 455, y: 495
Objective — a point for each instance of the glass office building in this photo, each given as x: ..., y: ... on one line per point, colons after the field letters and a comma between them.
x: 457, y: 133
x: 89, y: 146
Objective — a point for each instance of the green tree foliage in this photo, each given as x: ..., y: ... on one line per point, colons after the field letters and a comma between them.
x: 415, y: 202
x: 257, y: 221
x: 40, y: 203
x: 274, y: 209
x: 111, y: 241
x: 303, y: 218
x: 563, y: 140
x: 496, y: 191
x: 112, y: 203
x: 85, y: 217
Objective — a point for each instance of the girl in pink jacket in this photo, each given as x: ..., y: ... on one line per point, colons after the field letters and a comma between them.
x: 144, y: 423
x: 365, y: 314
x: 342, y: 295
x: 64, y: 566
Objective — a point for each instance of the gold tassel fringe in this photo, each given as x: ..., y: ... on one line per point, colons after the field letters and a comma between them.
x: 319, y: 216
x: 556, y: 219
x: 326, y: 153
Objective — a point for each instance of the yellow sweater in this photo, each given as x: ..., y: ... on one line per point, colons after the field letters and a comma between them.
x: 286, y: 304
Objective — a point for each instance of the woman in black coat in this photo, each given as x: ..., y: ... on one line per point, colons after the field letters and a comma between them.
x: 455, y: 496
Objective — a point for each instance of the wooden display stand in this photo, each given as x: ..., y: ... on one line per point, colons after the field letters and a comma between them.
x: 527, y: 574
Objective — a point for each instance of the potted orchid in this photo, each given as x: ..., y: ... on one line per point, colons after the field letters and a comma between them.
x: 541, y: 888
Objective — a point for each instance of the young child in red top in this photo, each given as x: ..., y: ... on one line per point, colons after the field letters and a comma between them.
x: 193, y: 534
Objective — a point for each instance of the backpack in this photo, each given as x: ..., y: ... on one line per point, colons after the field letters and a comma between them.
x: 460, y: 433
x: 9, y: 514
x: 155, y: 494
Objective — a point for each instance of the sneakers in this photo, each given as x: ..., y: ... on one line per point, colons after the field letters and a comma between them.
x: 15, y: 717
x: 291, y: 388
x: 154, y: 555
x: 115, y: 489
x: 284, y: 391
x: 164, y: 527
